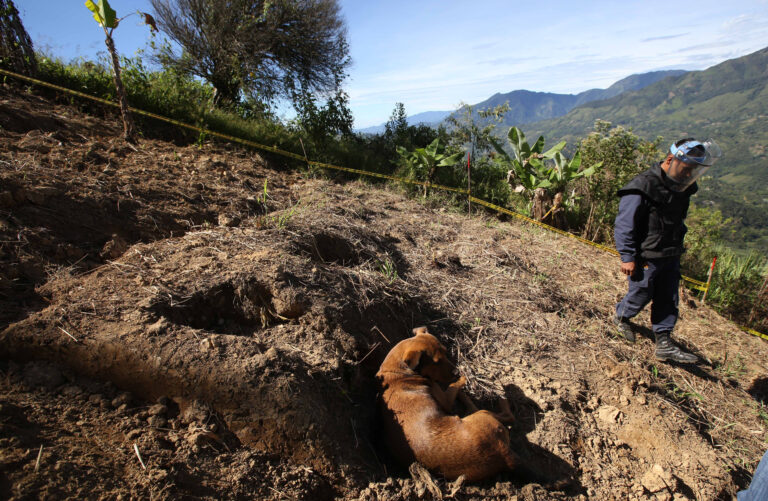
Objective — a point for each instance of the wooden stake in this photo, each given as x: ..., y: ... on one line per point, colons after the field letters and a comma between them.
x: 469, y: 185
x: 305, y: 153
x: 709, y: 279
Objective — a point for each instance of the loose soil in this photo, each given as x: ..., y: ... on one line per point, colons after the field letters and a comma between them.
x: 183, y: 321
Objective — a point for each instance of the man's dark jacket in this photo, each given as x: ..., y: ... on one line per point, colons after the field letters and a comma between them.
x: 666, y: 208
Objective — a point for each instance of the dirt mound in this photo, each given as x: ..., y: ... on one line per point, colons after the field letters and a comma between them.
x: 170, y: 328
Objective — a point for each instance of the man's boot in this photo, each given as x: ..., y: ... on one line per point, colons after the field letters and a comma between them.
x: 624, y: 328
x: 666, y: 350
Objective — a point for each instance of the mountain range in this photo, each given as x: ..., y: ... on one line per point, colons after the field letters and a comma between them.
x: 529, y: 106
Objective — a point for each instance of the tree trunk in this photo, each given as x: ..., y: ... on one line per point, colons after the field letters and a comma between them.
x: 541, y: 202
x: 430, y: 176
x: 557, y: 213
x: 129, y: 129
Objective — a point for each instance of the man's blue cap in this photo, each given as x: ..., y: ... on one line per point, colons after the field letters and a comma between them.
x: 681, y: 152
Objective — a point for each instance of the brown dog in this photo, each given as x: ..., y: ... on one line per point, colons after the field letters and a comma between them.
x: 417, y: 425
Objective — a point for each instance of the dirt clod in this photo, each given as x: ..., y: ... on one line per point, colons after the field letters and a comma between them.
x: 657, y: 479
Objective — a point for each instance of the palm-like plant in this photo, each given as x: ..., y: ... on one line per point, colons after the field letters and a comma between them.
x: 108, y: 20
x: 534, y: 169
x: 424, y: 162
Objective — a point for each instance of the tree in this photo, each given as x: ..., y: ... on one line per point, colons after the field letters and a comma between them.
x: 623, y: 155
x: 321, y: 122
x: 16, y: 52
x: 396, y: 128
x: 256, y: 48
x: 108, y: 20
x: 474, y: 130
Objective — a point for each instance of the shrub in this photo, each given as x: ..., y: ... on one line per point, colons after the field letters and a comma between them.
x: 623, y: 155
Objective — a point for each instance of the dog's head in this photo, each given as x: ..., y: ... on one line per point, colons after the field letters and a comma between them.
x: 427, y: 356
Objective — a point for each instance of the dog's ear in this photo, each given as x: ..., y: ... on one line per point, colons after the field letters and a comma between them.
x: 411, y: 358
x: 420, y: 330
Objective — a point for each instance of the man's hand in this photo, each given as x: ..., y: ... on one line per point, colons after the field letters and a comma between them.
x: 628, y: 268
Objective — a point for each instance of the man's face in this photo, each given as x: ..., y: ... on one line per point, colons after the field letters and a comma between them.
x: 680, y: 171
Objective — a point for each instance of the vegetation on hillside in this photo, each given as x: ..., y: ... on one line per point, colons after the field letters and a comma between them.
x: 728, y: 102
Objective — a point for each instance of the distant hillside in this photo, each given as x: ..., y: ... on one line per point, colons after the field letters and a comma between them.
x: 632, y: 82
x: 728, y: 102
x: 528, y: 106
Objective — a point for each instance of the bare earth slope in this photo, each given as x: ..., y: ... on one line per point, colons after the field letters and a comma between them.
x: 168, y: 331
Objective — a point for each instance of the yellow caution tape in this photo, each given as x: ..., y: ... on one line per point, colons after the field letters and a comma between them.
x: 753, y: 332
x: 694, y: 284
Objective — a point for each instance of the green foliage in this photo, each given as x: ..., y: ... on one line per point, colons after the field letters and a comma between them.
x: 388, y: 269
x: 396, y: 129
x: 736, y: 287
x: 257, y: 49
x: 566, y: 170
x: 323, y: 123
x: 103, y: 13
x: 530, y: 167
x: 106, y: 17
x: 704, y: 238
x: 534, y: 169
x: 171, y: 94
x: 623, y: 155
x: 473, y: 130
x: 738, y: 277
x: 731, y: 368
x: 422, y: 163
x: 489, y: 181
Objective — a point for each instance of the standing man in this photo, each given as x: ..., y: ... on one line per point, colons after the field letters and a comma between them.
x: 649, y: 234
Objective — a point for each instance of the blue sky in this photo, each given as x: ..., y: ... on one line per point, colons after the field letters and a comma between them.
x: 432, y: 55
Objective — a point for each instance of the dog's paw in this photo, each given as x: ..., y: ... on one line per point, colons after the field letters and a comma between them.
x: 459, y: 383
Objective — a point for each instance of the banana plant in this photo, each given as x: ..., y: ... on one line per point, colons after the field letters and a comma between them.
x: 107, y: 18
x: 424, y: 162
x: 564, y: 171
x: 542, y: 175
x: 527, y: 162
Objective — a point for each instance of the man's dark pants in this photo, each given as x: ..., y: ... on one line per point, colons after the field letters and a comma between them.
x: 657, y: 284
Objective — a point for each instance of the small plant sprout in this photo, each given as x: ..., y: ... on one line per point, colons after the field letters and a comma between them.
x: 387, y: 268
x: 264, y: 196
x: 108, y: 20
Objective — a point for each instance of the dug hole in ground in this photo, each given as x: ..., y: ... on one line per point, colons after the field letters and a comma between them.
x: 168, y: 330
